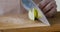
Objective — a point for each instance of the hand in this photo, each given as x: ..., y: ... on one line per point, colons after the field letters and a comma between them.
x: 48, y: 7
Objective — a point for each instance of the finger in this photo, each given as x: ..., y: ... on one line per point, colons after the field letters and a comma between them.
x: 44, y: 3
x: 49, y: 6
x: 52, y: 12
x: 37, y: 1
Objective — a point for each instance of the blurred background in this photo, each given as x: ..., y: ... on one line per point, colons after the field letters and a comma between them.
x: 58, y: 4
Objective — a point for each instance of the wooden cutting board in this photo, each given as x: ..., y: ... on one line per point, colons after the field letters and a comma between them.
x: 55, y: 22
x: 11, y: 21
x: 55, y: 26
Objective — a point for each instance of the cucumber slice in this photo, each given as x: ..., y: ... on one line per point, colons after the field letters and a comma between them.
x: 33, y: 13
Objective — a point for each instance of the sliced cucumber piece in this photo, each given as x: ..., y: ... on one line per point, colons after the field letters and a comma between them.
x: 33, y: 13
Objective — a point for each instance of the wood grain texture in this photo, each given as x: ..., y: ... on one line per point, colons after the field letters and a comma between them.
x: 12, y: 21
x: 55, y: 26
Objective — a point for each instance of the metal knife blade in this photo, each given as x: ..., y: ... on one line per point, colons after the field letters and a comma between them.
x: 29, y: 4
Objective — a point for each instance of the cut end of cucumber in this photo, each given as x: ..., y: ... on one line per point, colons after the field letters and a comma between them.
x: 33, y: 13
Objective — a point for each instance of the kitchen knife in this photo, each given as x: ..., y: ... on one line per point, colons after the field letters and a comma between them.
x: 29, y: 4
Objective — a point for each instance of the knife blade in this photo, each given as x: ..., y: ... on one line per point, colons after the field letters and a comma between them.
x: 29, y: 4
